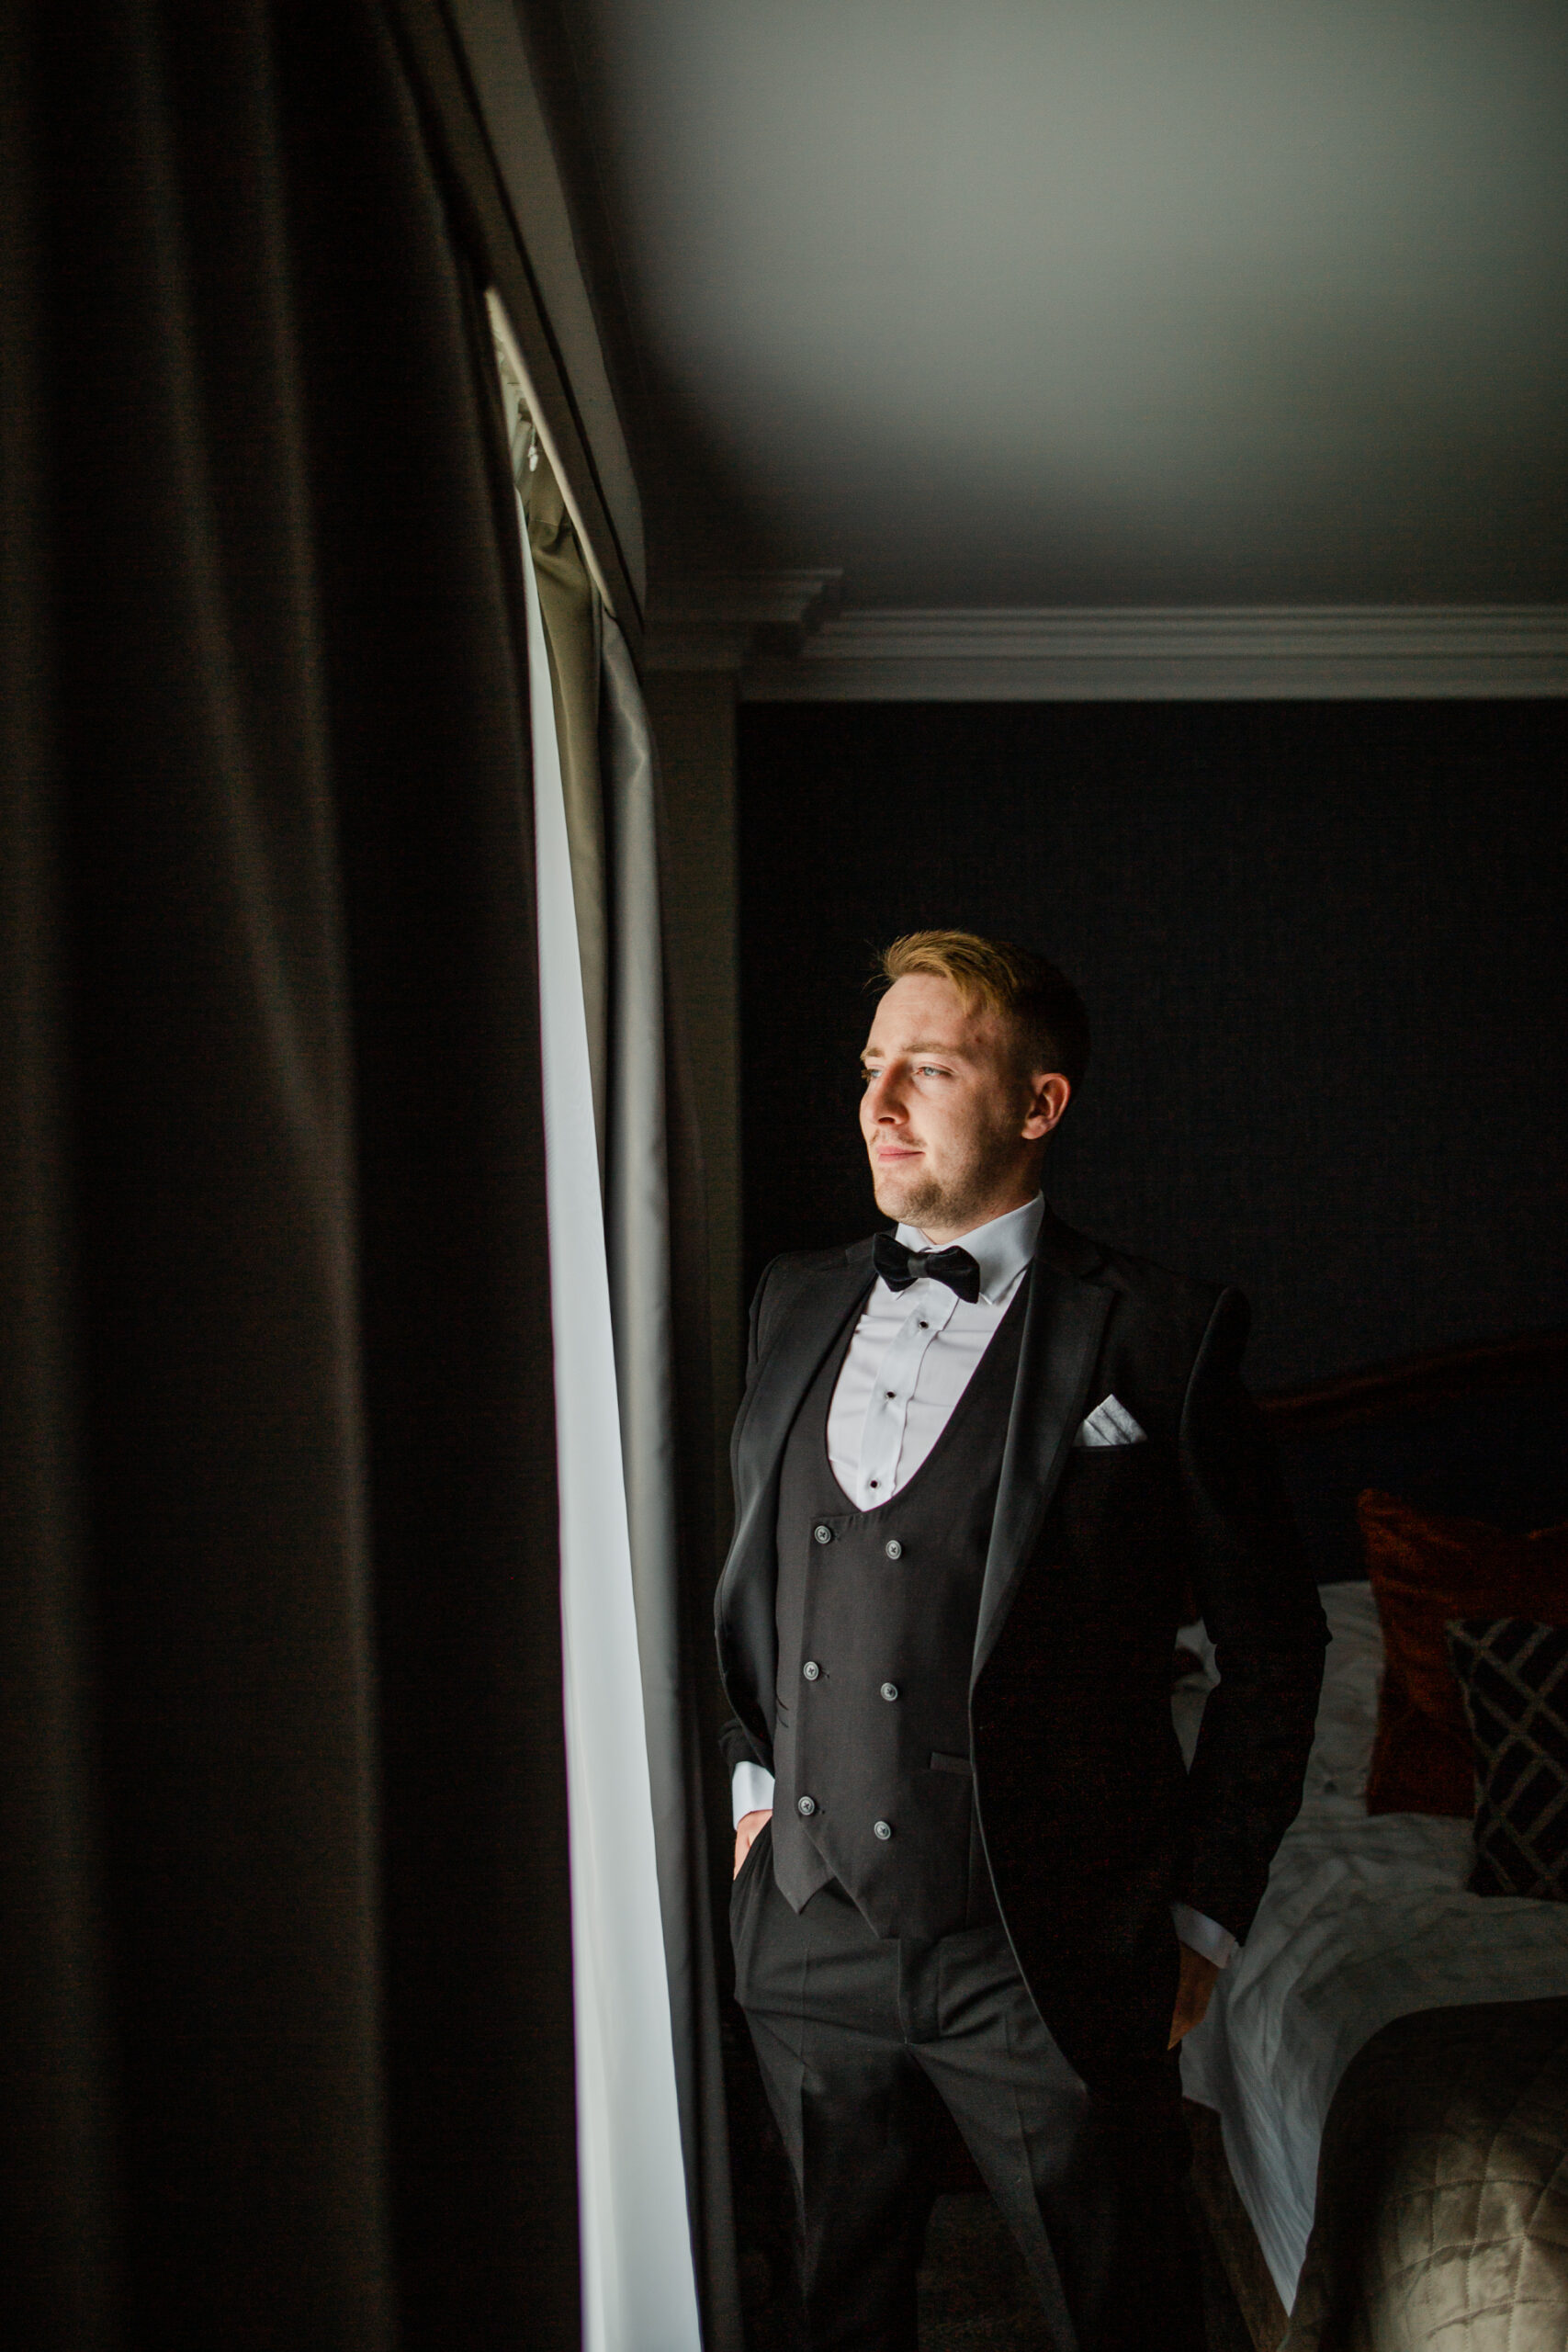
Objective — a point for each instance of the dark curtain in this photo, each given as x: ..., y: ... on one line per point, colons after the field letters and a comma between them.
x: 285, y: 2050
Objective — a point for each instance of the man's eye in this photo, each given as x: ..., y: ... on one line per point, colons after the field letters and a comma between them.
x: 929, y: 1070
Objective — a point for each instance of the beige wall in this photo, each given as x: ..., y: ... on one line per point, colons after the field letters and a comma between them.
x: 693, y: 713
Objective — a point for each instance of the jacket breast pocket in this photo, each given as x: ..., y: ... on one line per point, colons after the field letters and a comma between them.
x: 1102, y: 1472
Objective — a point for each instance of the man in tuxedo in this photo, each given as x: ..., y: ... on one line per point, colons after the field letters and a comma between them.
x: 983, y: 1468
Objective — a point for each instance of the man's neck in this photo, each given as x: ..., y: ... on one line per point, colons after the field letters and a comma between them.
x: 939, y: 1236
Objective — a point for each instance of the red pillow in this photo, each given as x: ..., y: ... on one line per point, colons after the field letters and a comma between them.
x: 1425, y: 1570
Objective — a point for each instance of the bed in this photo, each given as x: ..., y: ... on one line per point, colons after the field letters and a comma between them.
x: 1377, y: 2000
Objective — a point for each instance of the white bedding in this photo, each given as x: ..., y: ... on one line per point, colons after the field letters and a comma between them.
x: 1365, y: 1919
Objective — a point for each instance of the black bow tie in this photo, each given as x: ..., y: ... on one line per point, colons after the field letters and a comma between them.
x: 899, y: 1267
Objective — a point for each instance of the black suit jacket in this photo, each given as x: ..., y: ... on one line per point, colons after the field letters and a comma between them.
x: 1091, y: 1826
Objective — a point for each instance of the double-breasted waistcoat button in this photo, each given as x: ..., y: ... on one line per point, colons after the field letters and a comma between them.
x: 811, y: 1670
x: 894, y: 1549
x: 822, y: 1532
x: 806, y: 1804
x: 884, y: 1829
x: 890, y: 1690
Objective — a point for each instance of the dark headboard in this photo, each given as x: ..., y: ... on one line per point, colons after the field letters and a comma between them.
x: 1479, y: 1432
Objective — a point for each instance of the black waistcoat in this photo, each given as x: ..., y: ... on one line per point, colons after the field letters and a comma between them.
x: 876, y: 1618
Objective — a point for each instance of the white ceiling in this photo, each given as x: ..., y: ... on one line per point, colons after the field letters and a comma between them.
x: 1098, y: 302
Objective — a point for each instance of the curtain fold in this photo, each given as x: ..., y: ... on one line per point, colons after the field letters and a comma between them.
x: 656, y: 1245
x: 659, y: 1292
x: 285, y: 2010
x: 639, y: 2289
x: 573, y: 614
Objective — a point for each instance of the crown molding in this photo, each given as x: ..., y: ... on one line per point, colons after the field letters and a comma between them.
x: 1171, y: 653
x: 723, y: 621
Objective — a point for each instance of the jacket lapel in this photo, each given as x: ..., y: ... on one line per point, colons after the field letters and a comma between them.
x: 743, y: 1605
x: 1063, y: 1328
x: 810, y: 1325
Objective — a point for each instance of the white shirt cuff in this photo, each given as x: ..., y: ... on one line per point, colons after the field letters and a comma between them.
x: 750, y: 1791
x: 1205, y: 1937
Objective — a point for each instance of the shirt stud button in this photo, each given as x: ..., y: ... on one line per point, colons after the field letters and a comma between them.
x: 874, y: 1484
x: 811, y: 1670
x: 894, y: 1549
x: 806, y: 1804
x: 884, y: 1829
x: 890, y: 1690
x: 823, y: 1533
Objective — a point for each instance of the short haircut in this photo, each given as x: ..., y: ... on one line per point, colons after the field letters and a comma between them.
x: 1044, y: 1008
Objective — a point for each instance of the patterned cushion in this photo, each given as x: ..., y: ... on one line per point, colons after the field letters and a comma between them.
x: 1427, y: 1569
x: 1514, y: 1674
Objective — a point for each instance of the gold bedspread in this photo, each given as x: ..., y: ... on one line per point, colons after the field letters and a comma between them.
x: 1442, y: 2203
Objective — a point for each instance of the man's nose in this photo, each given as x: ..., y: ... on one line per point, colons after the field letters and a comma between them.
x: 882, y: 1098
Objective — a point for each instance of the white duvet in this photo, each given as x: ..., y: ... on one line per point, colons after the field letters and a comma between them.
x: 1365, y: 1919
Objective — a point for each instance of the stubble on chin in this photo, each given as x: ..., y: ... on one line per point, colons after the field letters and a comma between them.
x: 924, y: 1200
x: 911, y: 1202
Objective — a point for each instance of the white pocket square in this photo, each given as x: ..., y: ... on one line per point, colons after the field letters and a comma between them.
x: 1111, y: 1424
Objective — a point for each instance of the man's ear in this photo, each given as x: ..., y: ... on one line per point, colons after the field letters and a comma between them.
x: 1050, y: 1094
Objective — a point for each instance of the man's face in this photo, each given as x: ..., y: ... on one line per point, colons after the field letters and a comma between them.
x: 951, y: 1123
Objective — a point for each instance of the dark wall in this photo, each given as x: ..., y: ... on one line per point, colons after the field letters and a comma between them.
x: 1323, y: 946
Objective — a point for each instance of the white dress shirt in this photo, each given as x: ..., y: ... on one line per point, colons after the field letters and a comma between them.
x: 913, y: 1354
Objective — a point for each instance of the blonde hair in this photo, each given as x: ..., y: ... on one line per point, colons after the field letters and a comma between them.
x: 1044, y: 1008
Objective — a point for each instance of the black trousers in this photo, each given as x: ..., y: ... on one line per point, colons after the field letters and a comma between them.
x: 858, y: 2037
